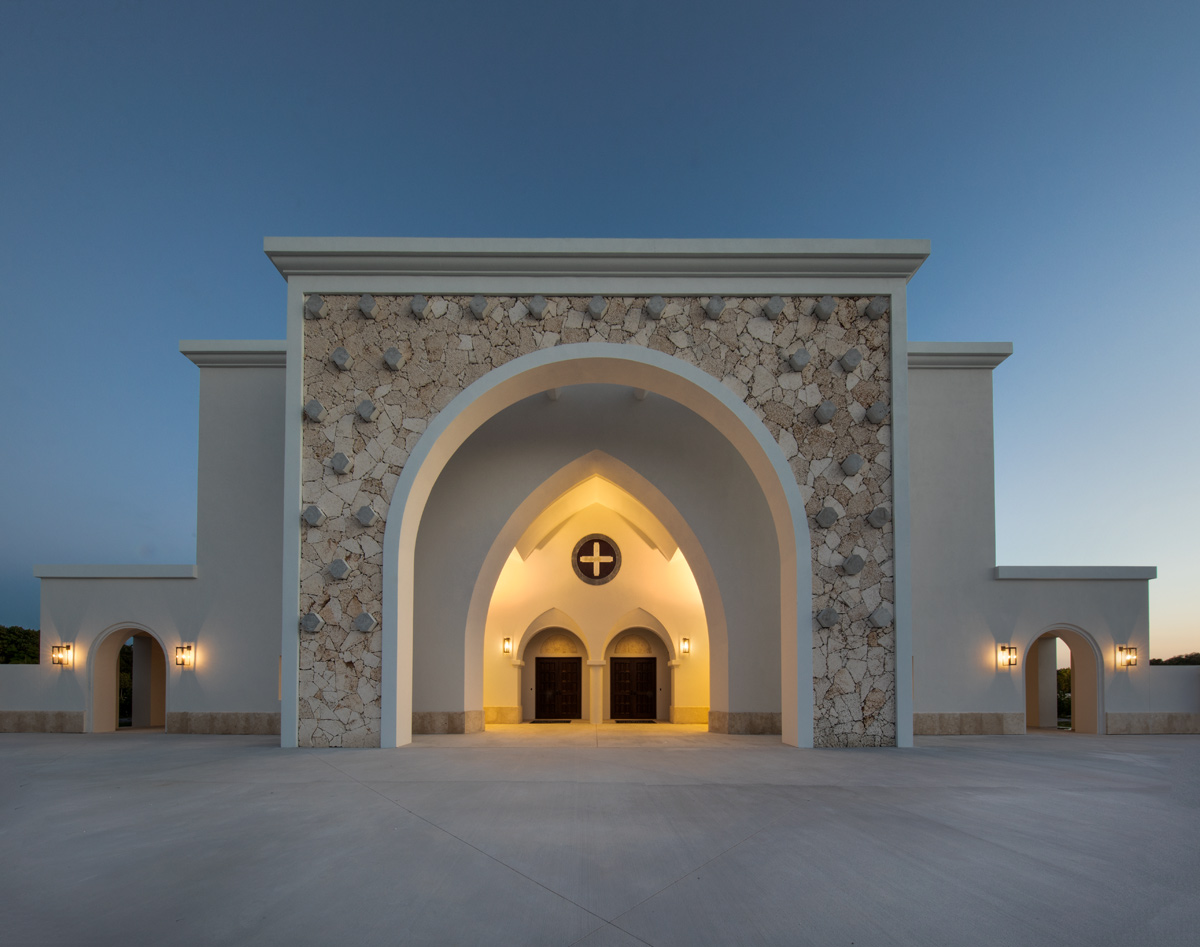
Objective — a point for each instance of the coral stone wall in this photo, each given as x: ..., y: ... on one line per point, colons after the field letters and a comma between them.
x: 440, y: 355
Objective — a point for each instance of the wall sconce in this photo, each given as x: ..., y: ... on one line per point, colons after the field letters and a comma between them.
x: 184, y: 656
x: 508, y: 645
x: 1006, y: 657
x: 1126, y: 657
x: 685, y: 645
x: 60, y: 654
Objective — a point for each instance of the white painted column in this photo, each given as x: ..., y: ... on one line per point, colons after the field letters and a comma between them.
x: 596, y: 708
x: 673, y: 665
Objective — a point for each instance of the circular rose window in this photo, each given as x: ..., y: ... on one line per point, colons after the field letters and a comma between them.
x: 596, y: 559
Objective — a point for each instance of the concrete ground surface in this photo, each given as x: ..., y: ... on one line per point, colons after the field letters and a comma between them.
x: 599, y: 837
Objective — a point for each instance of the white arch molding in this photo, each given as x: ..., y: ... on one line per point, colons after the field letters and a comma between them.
x: 102, y: 649
x: 1089, y: 668
x: 597, y: 363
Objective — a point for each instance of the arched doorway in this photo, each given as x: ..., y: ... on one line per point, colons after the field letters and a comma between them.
x: 1041, y: 682
x: 554, y: 680
x: 147, y: 698
x: 639, y: 677
x: 774, y: 556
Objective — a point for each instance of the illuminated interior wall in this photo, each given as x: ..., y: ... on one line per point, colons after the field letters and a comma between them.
x: 649, y: 588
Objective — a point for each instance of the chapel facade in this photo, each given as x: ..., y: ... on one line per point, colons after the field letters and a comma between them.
x: 486, y: 482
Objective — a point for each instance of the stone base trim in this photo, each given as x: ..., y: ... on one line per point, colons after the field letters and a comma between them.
x: 41, y: 721
x: 689, y: 715
x: 1155, y: 722
x: 967, y: 724
x: 501, y: 715
x: 223, y: 722
x: 748, y: 722
x: 447, y: 721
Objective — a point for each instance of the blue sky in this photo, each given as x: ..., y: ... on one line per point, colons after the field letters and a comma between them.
x: 1048, y: 151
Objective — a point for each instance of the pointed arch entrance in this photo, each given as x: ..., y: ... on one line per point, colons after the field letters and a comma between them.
x: 783, y: 579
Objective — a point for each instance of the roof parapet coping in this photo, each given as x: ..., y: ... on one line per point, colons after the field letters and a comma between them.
x: 115, y: 572
x: 957, y: 354
x: 1079, y: 573
x: 235, y: 353
x: 547, y: 259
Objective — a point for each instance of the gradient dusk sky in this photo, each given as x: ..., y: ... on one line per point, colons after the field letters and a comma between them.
x: 1050, y: 152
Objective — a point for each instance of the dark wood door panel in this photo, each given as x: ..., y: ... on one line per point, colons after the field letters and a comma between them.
x: 634, y: 691
x: 559, y: 683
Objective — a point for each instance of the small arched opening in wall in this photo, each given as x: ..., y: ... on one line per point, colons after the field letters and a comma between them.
x: 641, y: 370
x: 1083, y: 711
x: 554, y: 681
x: 147, y: 697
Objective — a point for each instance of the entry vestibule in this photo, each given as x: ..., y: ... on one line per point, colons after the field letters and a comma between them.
x: 1041, y: 673
x: 148, y: 680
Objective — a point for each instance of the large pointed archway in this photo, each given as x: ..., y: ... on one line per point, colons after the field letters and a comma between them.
x: 646, y: 371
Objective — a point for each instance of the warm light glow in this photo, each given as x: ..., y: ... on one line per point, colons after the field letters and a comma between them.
x: 1006, y: 657
x: 508, y: 645
x: 184, y: 656
x: 685, y: 645
x: 1126, y: 656
x: 60, y: 654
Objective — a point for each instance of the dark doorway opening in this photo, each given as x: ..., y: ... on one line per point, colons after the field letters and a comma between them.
x: 634, y: 693
x: 559, y: 688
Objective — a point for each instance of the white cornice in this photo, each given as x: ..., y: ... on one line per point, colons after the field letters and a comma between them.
x: 236, y: 353
x: 1105, y: 573
x: 957, y: 354
x: 550, y: 259
x: 114, y: 572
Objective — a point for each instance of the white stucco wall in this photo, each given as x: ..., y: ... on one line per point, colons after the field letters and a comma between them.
x: 964, y: 607
x: 228, y: 603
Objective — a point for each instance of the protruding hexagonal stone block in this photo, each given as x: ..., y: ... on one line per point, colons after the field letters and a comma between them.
x: 850, y: 360
x: 364, y: 622
x: 340, y: 463
x: 368, y: 306
x: 479, y: 306
x: 827, y: 617
x: 825, y: 412
x: 367, y: 410
x: 366, y: 515
x: 419, y: 306
x: 339, y: 568
x: 827, y: 517
x: 655, y: 306
x: 714, y: 307
x: 798, y: 359
x: 597, y: 307
x: 852, y: 465
x: 825, y: 308
x: 311, y: 623
x: 878, y: 307
x: 880, y: 618
x: 853, y: 564
x: 343, y: 361
x: 313, y: 515
x: 314, y: 410
x: 877, y: 412
x: 773, y: 307
x: 537, y: 306
x: 879, y: 517
x: 315, y: 307
x: 393, y: 358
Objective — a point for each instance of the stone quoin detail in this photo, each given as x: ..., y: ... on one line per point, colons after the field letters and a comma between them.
x: 410, y: 368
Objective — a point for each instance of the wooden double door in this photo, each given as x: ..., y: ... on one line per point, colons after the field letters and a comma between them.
x: 559, y: 689
x: 634, y: 694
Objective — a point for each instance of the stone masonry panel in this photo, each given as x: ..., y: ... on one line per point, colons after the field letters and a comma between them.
x: 438, y: 356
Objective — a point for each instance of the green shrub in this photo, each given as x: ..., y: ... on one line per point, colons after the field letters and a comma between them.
x: 19, y: 645
x: 1193, y: 658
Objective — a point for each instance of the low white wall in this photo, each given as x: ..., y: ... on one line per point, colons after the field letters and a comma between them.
x: 1174, y: 688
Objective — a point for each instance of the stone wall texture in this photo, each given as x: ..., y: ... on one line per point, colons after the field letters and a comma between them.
x: 853, y: 659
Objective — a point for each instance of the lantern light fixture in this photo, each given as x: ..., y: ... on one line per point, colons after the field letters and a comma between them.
x: 60, y: 654
x: 1126, y: 657
x: 185, y: 657
x: 508, y: 645
x: 1006, y: 656
x: 685, y: 645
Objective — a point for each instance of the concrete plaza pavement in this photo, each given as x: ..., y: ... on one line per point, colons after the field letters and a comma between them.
x: 599, y: 837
